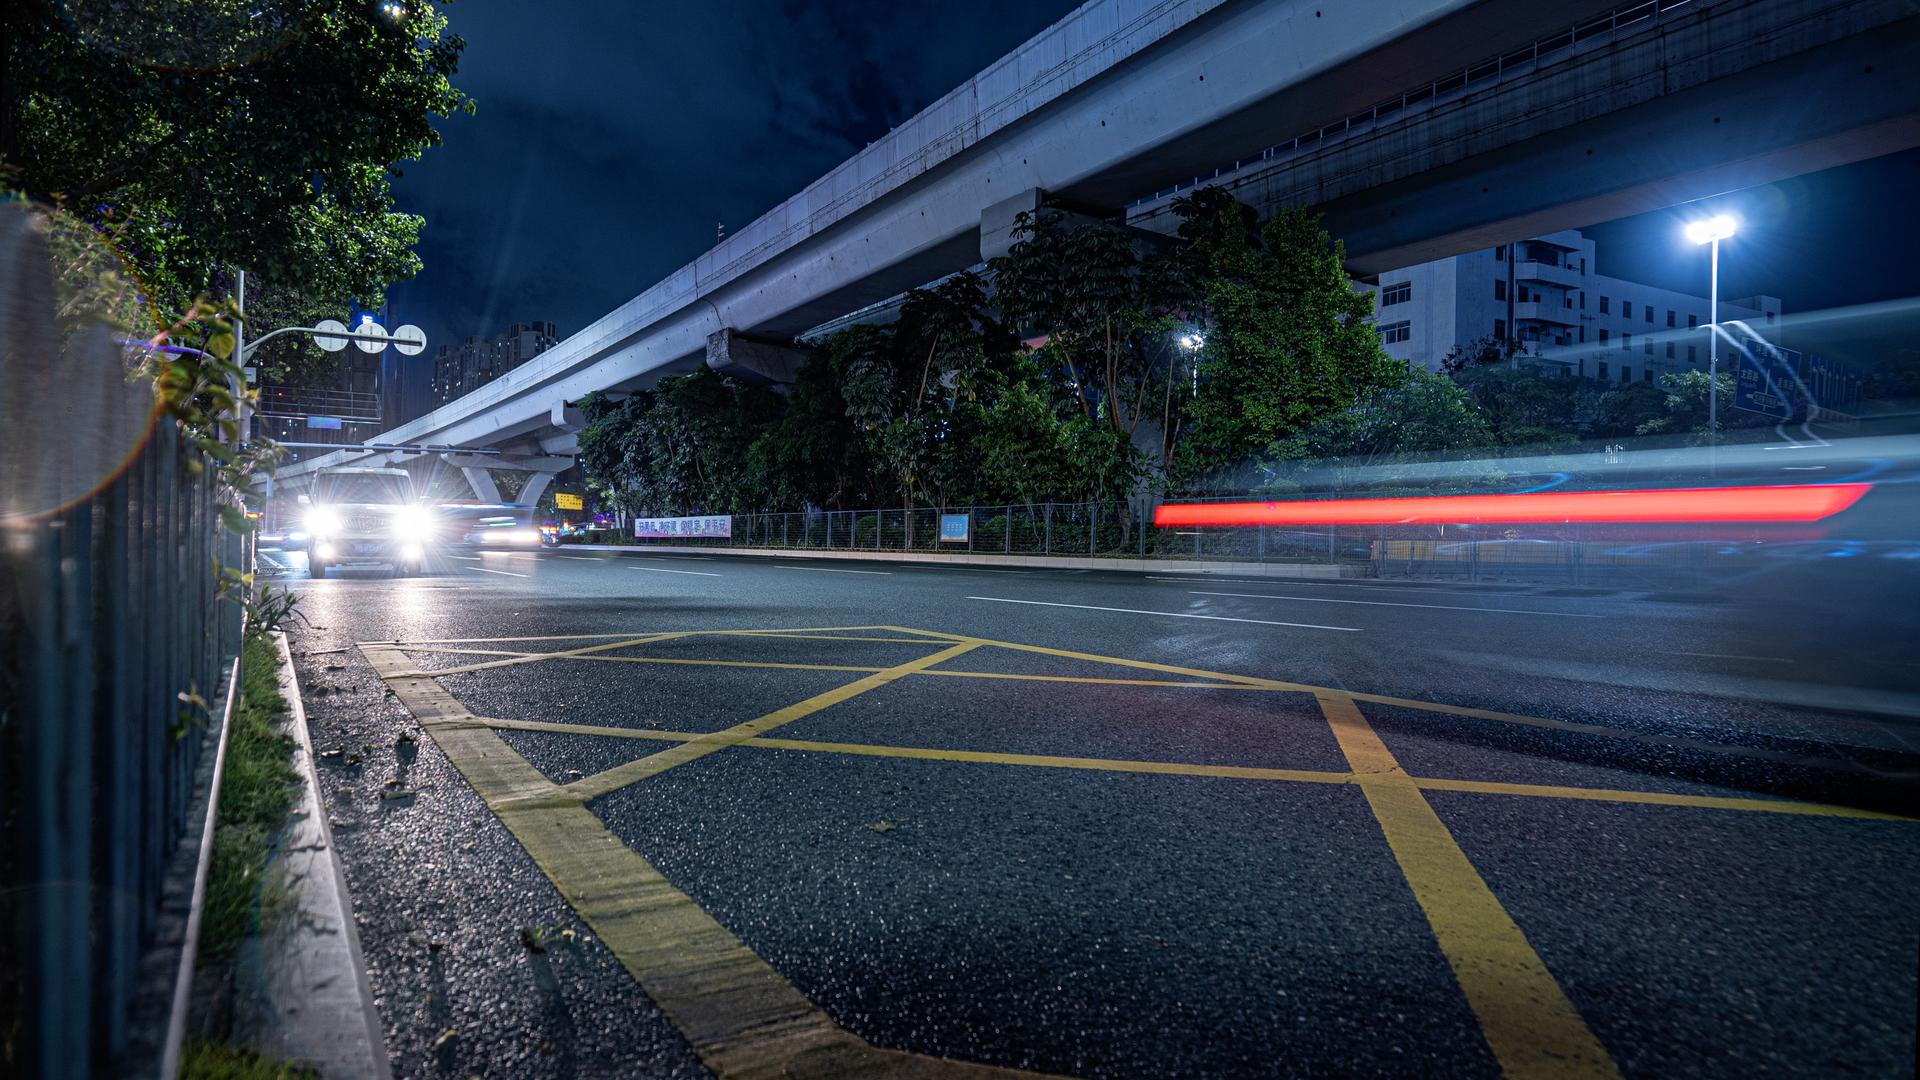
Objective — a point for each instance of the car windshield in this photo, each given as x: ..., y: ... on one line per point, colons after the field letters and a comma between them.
x: 363, y: 488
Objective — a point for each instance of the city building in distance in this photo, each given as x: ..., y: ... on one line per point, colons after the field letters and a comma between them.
x: 463, y: 368
x: 1547, y: 297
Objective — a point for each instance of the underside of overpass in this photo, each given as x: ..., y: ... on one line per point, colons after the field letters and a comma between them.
x: 1588, y: 112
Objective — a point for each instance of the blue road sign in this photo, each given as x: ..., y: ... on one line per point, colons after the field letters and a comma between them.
x: 324, y: 423
x: 953, y: 528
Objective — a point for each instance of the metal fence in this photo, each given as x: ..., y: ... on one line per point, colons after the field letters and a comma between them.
x: 1117, y: 530
x: 109, y: 613
x: 110, y: 529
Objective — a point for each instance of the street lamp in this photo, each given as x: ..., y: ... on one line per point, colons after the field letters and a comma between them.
x: 1711, y: 231
x: 1193, y: 341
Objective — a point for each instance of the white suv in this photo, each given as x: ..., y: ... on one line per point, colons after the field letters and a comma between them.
x: 367, y: 519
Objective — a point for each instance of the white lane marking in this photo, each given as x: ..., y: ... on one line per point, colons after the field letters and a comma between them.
x: 963, y: 569
x: 831, y: 570
x: 664, y: 570
x: 1737, y: 656
x: 484, y: 570
x: 674, y: 558
x: 1168, y: 614
x: 1389, y: 603
x: 465, y: 558
x: 578, y: 558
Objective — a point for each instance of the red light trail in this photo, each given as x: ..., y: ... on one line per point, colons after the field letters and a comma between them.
x: 1779, y: 503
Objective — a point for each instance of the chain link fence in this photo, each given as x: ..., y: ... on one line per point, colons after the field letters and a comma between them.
x: 1122, y: 531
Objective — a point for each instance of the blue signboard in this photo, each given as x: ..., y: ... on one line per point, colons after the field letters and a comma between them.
x: 324, y: 423
x: 953, y: 528
x: 1766, y: 382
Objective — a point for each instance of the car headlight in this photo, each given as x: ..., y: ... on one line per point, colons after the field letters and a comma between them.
x: 414, y: 523
x: 322, y: 522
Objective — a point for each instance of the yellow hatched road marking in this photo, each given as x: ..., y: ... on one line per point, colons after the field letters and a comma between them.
x: 742, y: 1017
x: 746, y: 1020
x: 1533, y: 1030
x: 1237, y: 772
x: 655, y: 764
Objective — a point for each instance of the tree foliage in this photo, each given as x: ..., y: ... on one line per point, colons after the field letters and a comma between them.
x: 1061, y: 376
x: 1287, y: 338
x: 214, y: 134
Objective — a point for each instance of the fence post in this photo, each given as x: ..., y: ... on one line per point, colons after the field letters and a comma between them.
x: 1093, y: 530
x: 1009, y: 546
x: 1046, y: 546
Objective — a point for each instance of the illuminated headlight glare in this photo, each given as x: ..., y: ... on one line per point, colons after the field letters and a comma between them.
x: 414, y: 523
x: 412, y: 552
x: 324, y: 550
x: 322, y: 521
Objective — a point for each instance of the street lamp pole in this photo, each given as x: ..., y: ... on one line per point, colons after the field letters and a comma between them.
x: 1713, y: 359
x: 1711, y: 231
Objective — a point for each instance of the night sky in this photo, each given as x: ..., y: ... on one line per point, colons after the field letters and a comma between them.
x: 610, y: 138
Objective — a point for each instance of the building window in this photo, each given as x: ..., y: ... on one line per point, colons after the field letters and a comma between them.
x: 1499, y: 329
x: 1583, y: 301
x: 1397, y: 293
x: 1669, y: 350
x: 1670, y: 316
x: 1626, y: 309
x: 1646, y: 375
x: 1499, y: 289
x: 1393, y: 333
x: 1769, y: 316
x: 1693, y: 354
x: 1603, y: 305
x: 1603, y: 370
x: 1626, y: 374
x: 1647, y: 347
x: 1626, y: 342
x: 1583, y: 335
x: 1649, y: 313
x: 1500, y: 253
x: 1603, y: 335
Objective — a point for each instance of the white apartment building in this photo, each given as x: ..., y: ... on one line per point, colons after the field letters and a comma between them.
x: 1547, y: 295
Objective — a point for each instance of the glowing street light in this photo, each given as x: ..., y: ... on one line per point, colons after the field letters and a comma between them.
x: 1192, y: 341
x: 1711, y: 231
x: 1718, y: 227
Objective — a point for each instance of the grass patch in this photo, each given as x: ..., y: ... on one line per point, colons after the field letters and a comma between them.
x: 257, y: 791
x: 202, y: 1060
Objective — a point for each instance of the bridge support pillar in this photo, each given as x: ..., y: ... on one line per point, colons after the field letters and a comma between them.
x: 755, y: 361
x: 481, y: 481
x: 536, y: 486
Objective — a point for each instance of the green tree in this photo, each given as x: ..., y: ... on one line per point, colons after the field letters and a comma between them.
x: 1423, y: 416
x: 1105, y: 306
x: 1287, y: 340
x: 1685, y: 409
x: 210, y: 134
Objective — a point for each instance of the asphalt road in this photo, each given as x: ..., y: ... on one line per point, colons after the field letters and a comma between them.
x: 782, y: 813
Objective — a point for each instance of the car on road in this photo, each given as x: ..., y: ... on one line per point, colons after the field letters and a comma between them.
x: 367, y: 518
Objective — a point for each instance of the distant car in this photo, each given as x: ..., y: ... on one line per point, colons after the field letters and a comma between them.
x: 503, y: 531
x: 367, y: 518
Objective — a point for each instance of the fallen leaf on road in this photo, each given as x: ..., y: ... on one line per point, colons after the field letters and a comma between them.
x: 882, y: 826
x: 533, y: 939
x: 444, y: 1036
x: 398, y: 793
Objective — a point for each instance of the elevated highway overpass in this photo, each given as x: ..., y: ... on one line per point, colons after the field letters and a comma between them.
x: 1588, y: 111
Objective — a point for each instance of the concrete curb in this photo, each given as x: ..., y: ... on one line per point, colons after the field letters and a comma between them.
x: 309, y: 1002
x: 1053, y: 562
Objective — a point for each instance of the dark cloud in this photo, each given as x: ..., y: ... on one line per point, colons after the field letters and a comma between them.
x: 611, y: 136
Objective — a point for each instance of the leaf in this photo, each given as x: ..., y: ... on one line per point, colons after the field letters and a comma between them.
x: 882, y: 826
